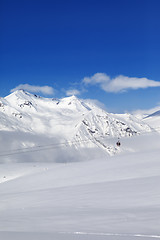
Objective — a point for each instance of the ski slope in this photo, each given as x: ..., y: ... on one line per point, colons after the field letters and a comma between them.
x: 103, y: 198
x: 63, y: 177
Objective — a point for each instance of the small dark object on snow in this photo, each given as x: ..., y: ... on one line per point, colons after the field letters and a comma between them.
x: 118, y: 144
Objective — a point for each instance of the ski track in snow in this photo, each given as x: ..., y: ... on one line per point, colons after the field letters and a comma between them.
x: 113, y: 234
x: 73, y: 236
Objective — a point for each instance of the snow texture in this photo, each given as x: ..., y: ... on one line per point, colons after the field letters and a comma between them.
x: 57, y: 184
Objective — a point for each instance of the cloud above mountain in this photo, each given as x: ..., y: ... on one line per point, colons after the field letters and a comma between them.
x: 120, y: 83
x: 46, y: 90
x: 72, y: 92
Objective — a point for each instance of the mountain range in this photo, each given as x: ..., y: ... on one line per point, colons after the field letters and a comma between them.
x: 29, y: 122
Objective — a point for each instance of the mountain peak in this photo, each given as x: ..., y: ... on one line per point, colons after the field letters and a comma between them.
x: 71, y: 98
x: 18, y: 93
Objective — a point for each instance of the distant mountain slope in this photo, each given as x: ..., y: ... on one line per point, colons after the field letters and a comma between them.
x: 70, y: 121
x: 153, y: 120
x: 155, y: 114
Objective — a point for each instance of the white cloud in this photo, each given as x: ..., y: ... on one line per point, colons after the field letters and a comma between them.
x: 35, y: 89
x: 120, y: 83
x: 97, y: 78
x: 72, y: 92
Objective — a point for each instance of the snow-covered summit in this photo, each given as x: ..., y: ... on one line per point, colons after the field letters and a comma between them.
x: 66, y: 120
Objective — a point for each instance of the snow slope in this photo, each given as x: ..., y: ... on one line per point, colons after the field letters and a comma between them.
x: 150, y: 117
x: 153, y: 120
x: 58, y: 180
x: 107, y: 198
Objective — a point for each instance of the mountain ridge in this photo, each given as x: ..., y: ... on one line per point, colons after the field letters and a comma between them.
x: 67, y: 120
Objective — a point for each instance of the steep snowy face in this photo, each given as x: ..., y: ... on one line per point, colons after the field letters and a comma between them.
x: 153, y: 120
x: 104, y: 128
x: 67, y: 120
x: 155, y: 114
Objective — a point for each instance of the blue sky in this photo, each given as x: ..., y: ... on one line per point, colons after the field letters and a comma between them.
x: 106, y: 50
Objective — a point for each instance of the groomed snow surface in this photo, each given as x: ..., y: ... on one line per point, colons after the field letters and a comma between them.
x: 114, y: 197
x: 62, y: 176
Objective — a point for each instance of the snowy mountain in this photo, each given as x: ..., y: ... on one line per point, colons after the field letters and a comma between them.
x: 155, y: 114
x: 153, y: 120
x: 67, y: 124
x: 48, y: 189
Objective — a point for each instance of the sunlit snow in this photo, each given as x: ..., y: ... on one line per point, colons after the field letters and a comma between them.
x: 60, y: 178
